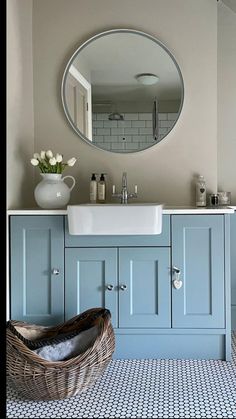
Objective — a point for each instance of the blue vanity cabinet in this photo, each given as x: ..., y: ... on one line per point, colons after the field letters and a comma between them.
x: 133, y: 276
x: 233, y: 267
x: 139, y: 297
x: 136, y: 289
x: 144, y: 287
x: 37, y: 269
x: 198, y: 251
x: 91, y: 280
x: 130, y: 275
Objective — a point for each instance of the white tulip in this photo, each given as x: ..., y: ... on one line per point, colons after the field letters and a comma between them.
x: 34, y: 162
x: 59, y: 158
x: 37, y: 156
x: 49, y: 154
x: 71, y: 161
x: 42, y: 154
x: 52, y: 161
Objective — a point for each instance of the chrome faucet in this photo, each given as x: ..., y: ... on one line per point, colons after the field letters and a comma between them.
x: 124, y: 195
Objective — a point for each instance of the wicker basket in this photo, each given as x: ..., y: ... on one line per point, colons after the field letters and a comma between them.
x: 38, y: 379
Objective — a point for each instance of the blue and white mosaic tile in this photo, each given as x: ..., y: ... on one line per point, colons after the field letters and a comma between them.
x: 146, y: 389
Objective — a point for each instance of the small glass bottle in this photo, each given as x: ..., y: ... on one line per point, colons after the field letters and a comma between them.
x: 200, y: 191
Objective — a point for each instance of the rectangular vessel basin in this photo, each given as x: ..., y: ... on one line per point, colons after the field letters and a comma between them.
x: 115, y: 219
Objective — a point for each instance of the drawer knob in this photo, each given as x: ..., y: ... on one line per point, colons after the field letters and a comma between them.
x: 110, y: 287
x: 55, y: 271
x: 123, y: 287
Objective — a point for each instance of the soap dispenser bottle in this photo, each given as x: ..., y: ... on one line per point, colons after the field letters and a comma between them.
x: 93, y: 189
x: 200, y: 191
x: 102, y: 189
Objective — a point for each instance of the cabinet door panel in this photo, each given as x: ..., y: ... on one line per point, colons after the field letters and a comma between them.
x: 88, y: 272
x: 198, y: 251
x: 146, y: 300
x: 233, y: 267
x: 37, y: 247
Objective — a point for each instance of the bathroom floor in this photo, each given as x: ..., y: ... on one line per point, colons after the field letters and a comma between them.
x: 146, y: 389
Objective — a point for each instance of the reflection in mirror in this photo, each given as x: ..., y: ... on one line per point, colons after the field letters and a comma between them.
x: 122, y: 91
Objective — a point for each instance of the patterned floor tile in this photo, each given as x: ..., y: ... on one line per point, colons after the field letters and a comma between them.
x: 146, y: 389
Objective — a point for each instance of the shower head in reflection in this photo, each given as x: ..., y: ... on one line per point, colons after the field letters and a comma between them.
x: 115, y: 116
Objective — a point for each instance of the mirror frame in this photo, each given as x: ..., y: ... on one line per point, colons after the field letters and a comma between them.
x: 80, y: 48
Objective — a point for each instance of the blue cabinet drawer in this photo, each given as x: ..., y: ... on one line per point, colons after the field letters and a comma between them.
x: 162, y: 239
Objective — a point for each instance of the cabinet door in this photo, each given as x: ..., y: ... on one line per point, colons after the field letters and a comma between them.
x: 233, y: 267
x: 90, y: 280
x: 198, y: 251
x: 144, y: 287
x: 37, y: 269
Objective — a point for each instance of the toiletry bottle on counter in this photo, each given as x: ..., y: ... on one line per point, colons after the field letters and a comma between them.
x: 200, y: 192
x: 102, y: 189
x: 93, y: 189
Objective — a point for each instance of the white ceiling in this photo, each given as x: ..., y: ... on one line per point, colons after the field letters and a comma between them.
x: 113, y: 61
x: 231, y: 4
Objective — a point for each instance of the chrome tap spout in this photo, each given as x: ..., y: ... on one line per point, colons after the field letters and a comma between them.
x: 124, y: 180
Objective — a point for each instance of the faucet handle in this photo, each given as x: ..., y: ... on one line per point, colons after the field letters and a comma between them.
x: 135, y: 193
x: 113, y: 189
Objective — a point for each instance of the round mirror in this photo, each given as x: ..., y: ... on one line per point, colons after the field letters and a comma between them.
x: 122, y: 91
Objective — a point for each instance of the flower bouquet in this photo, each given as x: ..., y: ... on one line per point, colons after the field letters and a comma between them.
x: 48, y: 163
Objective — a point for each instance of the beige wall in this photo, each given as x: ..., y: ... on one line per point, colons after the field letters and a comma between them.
x: 189, y: 29
x: 20, y: 125
x: 164, y: 172
x: 227, y: 100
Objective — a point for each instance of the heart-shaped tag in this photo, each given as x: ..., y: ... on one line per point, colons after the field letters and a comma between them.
x: 177, y: 283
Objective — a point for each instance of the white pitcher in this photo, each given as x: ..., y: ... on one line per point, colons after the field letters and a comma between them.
x: 52, y: 191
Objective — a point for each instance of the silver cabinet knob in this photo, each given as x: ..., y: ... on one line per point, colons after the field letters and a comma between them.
x: 55, y: 271
x: 176, y: 270
x: 123, y: 287
x: 110, y: 287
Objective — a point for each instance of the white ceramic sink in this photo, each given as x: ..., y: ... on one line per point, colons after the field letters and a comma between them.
x: 115, y: 219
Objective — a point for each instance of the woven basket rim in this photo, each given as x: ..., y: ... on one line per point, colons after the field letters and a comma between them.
x: 31, y: 356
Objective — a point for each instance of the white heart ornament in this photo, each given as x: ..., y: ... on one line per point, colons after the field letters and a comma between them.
x: 177, y: 283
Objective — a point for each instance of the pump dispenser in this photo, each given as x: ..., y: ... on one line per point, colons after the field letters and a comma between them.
x: 102, y: 189
x: 93, y: 189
